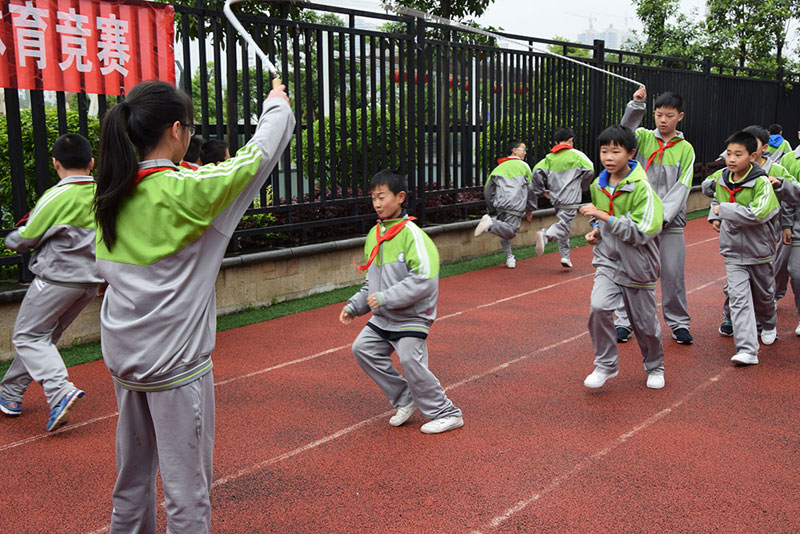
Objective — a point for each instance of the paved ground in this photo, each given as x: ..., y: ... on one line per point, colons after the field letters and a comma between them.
x: 303, y: 445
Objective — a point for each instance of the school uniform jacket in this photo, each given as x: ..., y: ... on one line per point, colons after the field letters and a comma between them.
x: 670, y: 173
x: 627, y: 249
x: 61, y: 229
x: 404, y: 277
x: 777, y: 148
x: 158, y: 319
x: 747, y: 210
x: 566, y: 172
x: 508, y: 188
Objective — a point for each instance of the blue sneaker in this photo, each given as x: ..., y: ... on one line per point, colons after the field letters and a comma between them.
x: 59, y: 415
x: 12, y: 408
x: 623, y: 334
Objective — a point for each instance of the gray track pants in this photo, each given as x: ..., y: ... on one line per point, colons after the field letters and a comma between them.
x: 639, y: 303
x: 794, y: 273
x: 781, y: 267
x: 374, y: 355
x: 749, y: 298
x: 505, y: 226
x: 46, y: 311
x: 173, y: 430
x: 561, y: 230
x: 672, y: 249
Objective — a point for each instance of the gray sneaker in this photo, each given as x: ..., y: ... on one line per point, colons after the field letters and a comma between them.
x: 483, y: 225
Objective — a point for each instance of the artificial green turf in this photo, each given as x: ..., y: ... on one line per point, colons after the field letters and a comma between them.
x: 91, y: 351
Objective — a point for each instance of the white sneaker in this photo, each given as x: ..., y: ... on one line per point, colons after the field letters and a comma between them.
x: 745, y: 358
x: 565, y: 262
x: 598, y: 377
x: 797, y: 330
x: 768, y: 337
x: 485, y: 224
x: 403, y: 414
x: 511, y: 262
x: 655, y: 380
x: 443, y: 424
x: 540, y: 242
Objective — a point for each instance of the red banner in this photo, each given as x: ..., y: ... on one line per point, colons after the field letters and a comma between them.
x: 91, y: 46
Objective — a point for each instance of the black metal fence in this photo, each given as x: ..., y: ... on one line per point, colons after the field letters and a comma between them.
x: 436, y: 103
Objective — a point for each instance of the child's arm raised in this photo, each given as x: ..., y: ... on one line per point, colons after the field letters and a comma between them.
x: 634, y: 111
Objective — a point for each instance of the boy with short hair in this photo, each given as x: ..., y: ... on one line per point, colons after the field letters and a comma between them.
x: 191, y: 160
x: 562, y: 176
x: 509, y: 194
x: 61, y: 230
x: 788, y: 193
x: 777, y: 146
x: 743, y: 211
x: 215, y: 151
x: 627, y: 216
x: 668, y: 159
x: 401, y: 290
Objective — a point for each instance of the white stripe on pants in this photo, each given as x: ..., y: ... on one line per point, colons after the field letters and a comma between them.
x: 640, y: 303
x: 173, y: 430
x: 46, y: 311
x: 374, y: 355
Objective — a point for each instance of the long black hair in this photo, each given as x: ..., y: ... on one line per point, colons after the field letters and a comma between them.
x: 131, y: 130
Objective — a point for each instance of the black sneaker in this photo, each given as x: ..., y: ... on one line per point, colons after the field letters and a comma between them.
x: 682, y: 336
x: 623, y: 334
x: 726, y: 329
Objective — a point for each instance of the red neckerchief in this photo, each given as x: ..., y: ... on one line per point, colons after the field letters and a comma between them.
x: 390, y: 233
x: 141, y: 174
x: 617, y: 192
x: 27, y: 215
x: 189, y: 165
x: 731, y: 192
x: 502, y: 160
x: 559, y: 147
x: 661, y: 148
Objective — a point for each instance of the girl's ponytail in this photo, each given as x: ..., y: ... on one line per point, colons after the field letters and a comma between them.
x: 116, y: 171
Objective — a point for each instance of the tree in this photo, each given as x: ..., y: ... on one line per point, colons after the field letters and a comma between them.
x: 667, y: 32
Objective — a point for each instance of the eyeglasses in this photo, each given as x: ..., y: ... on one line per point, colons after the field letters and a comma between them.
x: 191, y: 127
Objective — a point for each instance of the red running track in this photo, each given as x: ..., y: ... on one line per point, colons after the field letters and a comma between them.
x: 303, y: 445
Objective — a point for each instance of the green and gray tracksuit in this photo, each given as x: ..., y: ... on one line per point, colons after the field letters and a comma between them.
x: 158, y: 322
x: 404, y: 277
x: 777, y: 148
x: 509, y: 193
x: 61, y: 231
x: 747, y: 211
x: 627, y: 265
x: 790, y: 218
x: 566, y: 172
x: 670, y: 167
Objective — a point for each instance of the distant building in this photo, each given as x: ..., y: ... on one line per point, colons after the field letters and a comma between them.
x: 613, y: 37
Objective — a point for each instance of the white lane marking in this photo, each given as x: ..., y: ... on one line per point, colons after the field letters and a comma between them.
x: 558, y: 481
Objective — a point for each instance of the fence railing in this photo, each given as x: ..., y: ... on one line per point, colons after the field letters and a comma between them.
x: 436, y: 103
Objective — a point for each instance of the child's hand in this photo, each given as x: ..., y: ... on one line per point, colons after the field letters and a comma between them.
x: 715, y: 225
x: 640, y: 94
x: 716, y: 209
x: 787, y: 236
x: 345, y: 318
x: 593, y: 237
x: 528, y: 215
x: 372, y: 300
x: 279, y: 92
x: 776, y: 182
x: 589, y: 210
x: 547, y: 195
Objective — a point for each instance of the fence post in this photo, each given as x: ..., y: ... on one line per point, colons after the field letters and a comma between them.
x: 780, y: 97
x: 597, y: 95
x: 232, y: 101
x: 417, y: 110
x: 708, y: 104
x: 19, y: 202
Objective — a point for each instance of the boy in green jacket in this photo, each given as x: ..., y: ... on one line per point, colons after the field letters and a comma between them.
x: 627, y: 216
x: 401, y: 290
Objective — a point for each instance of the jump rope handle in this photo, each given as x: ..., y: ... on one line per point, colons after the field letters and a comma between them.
x: 276, y: 81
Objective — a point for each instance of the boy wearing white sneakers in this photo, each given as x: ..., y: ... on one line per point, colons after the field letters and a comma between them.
x: 627, y: 215
x: 401, y: 290
x: 562, y: 176
x: 509, y: 195
x: 742, y: 211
